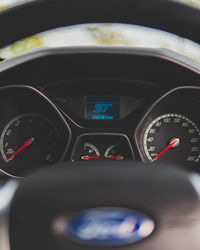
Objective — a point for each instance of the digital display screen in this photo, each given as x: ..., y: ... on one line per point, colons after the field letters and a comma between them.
x: 102, y: 108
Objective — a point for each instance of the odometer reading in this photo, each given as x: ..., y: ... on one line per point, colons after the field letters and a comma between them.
x: 172, y: 138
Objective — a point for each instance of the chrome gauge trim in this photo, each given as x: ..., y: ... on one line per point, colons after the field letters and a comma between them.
x: 93, y: 134
x: 138, y: 144
x: 158, y: 119
x: 6, y: 195
x: 43, y: 96
x: 12, y: 121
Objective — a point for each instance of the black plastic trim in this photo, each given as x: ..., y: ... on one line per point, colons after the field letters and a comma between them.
x: 164, y: 54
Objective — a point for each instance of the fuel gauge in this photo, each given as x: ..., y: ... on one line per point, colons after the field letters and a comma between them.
x: 113, y: 153
x: 90, y: 152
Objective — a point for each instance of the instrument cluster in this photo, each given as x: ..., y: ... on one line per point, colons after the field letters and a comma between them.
x: 37, y: 131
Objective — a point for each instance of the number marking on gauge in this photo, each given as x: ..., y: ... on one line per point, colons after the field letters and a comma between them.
x: 172, y: 133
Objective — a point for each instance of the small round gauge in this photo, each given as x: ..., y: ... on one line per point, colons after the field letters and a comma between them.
x: 113, y: 152
x: 28, y: 141
x: 90, y: 152
x: 172, y: 138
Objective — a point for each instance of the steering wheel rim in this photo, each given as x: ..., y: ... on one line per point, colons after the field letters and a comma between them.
x: 53, y: 13
x: 36, y: 16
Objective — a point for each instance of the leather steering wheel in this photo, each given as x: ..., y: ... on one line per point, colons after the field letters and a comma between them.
x: 131, y: 205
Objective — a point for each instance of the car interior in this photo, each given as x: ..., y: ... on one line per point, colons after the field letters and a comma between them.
x: 99, y: 146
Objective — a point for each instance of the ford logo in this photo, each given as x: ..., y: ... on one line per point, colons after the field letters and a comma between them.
x: 106, y: 227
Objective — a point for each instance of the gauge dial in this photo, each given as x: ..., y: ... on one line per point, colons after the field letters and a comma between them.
x: 28, y: 141
x: 172, y: 138
x: 113, y: 152
x: 90, y: 152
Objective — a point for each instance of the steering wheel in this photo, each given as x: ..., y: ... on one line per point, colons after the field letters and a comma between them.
x: 86, y: 206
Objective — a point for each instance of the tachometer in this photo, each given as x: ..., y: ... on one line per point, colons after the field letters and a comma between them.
x: 172, y: 138
x: 28, y: 141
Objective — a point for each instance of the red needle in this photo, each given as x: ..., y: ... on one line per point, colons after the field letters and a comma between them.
x: 25, y: 145
x: 115, y: 157
x: 173, y: 143
x: 89, y: 157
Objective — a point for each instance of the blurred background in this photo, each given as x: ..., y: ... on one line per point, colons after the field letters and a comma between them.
x: 102, y: 35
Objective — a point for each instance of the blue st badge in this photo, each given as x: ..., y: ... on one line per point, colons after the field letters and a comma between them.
x: 108, y: 227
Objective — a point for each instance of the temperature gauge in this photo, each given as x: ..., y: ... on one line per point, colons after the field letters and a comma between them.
x: 113, y: 153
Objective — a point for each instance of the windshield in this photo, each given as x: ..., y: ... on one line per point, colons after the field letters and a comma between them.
x: 102, y: 35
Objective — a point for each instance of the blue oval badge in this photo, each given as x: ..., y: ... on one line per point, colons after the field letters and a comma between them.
x: 107, y: 227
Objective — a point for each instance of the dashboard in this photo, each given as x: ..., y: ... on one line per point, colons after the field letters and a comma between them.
x: 39, y: 128
x: 138, y: 105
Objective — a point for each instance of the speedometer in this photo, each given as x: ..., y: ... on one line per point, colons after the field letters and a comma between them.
x: 172, y: 138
